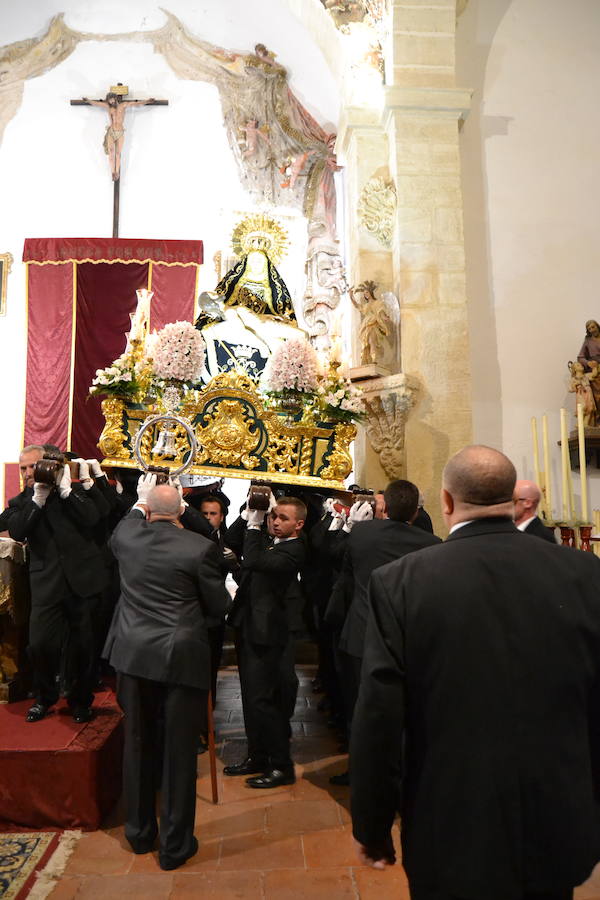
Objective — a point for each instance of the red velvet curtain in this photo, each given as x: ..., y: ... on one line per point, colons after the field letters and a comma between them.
x: 105, y: 297
x: 72, y: 284
x: 50, y: 318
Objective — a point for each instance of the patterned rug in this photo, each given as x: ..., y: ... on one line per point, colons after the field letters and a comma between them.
x: 31, y: 861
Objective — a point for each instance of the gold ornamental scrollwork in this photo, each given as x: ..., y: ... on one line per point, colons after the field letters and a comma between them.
x: 282, y: 453
x: 227, y: 438
x: 339, y: 461
x: 112, y: 439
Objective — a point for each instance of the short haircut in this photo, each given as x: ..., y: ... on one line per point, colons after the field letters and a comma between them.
x: 211, y: 498
x: 480, y: 476
x: 31, y: 447
x: 52, y: 448
x: 401, y: 500
x: 301, y: 511
x: 164, y: 500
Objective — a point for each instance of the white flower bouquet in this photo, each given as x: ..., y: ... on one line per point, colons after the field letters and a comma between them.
x: 291, y: 375
x: 120, y: 379
x: 338, y: 399
x: 178, y: 353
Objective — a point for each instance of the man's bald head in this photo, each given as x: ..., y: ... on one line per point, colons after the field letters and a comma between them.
x: 527, y: 496
x: 164, y: 501
x: 478, y: 481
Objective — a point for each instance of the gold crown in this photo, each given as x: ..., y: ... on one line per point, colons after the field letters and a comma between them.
x: 260, y: 232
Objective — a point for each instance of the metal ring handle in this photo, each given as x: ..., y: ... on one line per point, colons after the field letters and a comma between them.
x: 149, y: 423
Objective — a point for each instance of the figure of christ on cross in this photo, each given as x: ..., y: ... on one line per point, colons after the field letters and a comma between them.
x: 115, y: 131
x: 116, y: 107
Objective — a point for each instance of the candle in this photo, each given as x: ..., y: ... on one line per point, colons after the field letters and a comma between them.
x: 564, y: 459
x: 536, y: 455
x: 547, y: 479
x: 585, y: 513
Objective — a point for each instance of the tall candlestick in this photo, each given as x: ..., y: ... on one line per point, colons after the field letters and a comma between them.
x: 547, y: 477
x: 585, y: 512
x: 564, y: 459
x: 536, y: 455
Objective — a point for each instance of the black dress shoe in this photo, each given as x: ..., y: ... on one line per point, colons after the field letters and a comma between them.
x: 141, y: 847
x: 36, y: 712
x: 248, y: 767
x: 343, y: 779
x: 271, y: 779
x: 173, y: 862
x: 82, y: 714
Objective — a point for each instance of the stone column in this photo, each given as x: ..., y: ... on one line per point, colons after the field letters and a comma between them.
x: 421, y: 118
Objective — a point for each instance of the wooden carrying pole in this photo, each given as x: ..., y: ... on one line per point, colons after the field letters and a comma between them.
x: 212, y: 756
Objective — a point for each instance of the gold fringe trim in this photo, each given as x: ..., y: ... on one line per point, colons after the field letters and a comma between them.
x: 62, y: 262
x: 46, y: 879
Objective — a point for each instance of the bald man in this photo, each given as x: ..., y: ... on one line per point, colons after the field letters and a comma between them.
x: 482, y: 660
x: 527, y: 496
x: 171, y: 584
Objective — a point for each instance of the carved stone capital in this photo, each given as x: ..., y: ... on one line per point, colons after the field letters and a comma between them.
x: 388, y: 401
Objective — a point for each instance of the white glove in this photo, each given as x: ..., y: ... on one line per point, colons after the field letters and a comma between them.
x: 328, y: 506
x: 84, y: 474
x: 145, y: 484
x: 40, y: 493
x: 272, y: 502
x: 176, y: 483
x: 64, y: 485
x: 95, y: 469
x: 255, y: 517
x: 118, y: 485
x: 338, y: 520
x: 361, y: 511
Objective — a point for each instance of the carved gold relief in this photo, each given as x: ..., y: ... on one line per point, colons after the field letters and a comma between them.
x: 228, y: 437
x: 282, y: 453
x: 112, y: 439
x: 377, y: 209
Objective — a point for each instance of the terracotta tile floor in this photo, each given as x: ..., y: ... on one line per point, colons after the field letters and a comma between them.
x: 288, y: 843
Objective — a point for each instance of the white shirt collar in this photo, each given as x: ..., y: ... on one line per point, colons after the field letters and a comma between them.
x: 523, y: 525
x: 460, y: 525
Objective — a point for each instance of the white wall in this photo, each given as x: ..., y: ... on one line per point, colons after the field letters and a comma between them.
x: 532, y: 196
x: 178, y: 175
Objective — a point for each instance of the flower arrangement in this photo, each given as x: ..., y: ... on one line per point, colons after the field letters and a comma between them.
x: 293, y: 367
x: 178, y: 352
x: 121, y: 379
x: 338, y: 399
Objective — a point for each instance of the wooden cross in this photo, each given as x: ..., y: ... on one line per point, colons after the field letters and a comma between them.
x: 116, y: 105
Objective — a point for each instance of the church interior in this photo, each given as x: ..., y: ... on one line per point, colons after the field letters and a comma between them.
x: 408, y: 186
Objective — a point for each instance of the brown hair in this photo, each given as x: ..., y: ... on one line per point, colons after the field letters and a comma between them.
x: 301, y: 511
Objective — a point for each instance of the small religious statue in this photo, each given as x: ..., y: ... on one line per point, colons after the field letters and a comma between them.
x: 378, y: 319
x: 581, y: 385
x: 140, y: 319
x: 325, y: 284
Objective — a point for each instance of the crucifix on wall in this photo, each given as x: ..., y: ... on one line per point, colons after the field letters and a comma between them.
x: 116, y: 106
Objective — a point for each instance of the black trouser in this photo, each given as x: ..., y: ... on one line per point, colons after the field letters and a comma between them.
x: 57, y: 622
x: 269, y: 686
x: 162, y: 722
x: 417, y: 893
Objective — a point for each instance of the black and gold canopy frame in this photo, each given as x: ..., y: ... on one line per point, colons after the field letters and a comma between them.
x: 238, y: 436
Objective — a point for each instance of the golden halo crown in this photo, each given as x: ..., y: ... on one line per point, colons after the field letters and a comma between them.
x: 260, y: 232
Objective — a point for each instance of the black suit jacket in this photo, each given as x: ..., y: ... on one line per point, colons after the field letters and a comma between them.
x: 267, y: 600
x: 63, y: 553
x: 171, y: 584
x: 370, y: 545
x: 537, y: 528
x: 483, y: 653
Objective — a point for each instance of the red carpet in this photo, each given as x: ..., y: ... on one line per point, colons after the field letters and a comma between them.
x: 56, y: 773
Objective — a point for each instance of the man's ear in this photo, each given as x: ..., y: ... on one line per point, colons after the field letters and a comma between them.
x: 447, y: 502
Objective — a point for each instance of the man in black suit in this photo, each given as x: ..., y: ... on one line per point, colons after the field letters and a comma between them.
x: 67, y: 575
x: 170, y: 584
x: 482, y: 660
x: 527, y: 496
x: 372, y: 544
x: 262, y: 613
